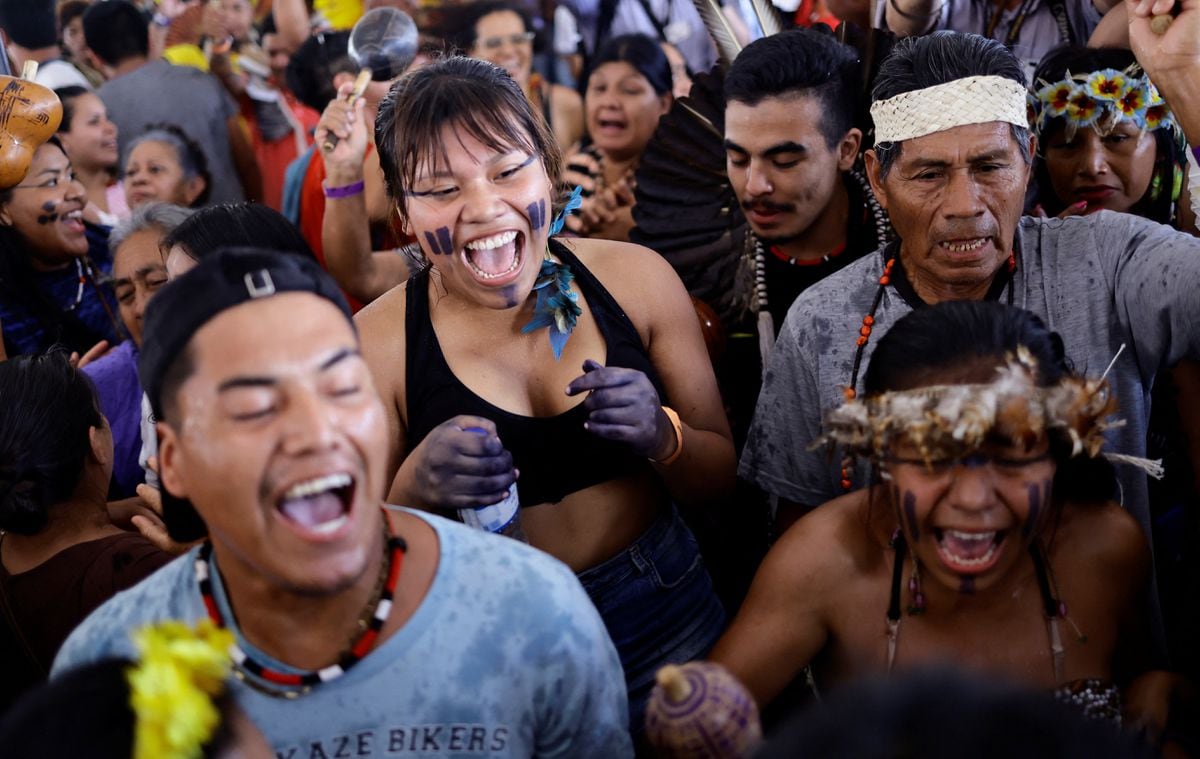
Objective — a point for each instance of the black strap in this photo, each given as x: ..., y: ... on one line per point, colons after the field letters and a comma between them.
x: 608, y: 11
x: 658, y: 25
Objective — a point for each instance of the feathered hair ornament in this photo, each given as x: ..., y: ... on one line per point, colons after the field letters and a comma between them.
x: 951, y: 421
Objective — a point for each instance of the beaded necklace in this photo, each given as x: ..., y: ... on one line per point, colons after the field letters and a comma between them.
x: 868, y: 322
x: 82, y: 279
x: 293, y: 685
x: 766, y: 322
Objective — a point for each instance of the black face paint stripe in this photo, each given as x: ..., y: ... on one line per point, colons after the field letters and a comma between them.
x: 443, y: 235
x: 433, y: 243
x: 910, y: 513
x: 1035, y: 507
x: 537, y: 214
x: 966, y: 585
x: 47, y: 219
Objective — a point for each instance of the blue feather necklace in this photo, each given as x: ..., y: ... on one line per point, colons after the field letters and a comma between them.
x: 557, y: 307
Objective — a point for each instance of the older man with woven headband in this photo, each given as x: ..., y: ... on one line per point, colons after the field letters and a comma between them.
x: 951, y: 165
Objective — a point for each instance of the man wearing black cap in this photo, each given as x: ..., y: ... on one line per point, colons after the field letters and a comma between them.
x: 359, y: 631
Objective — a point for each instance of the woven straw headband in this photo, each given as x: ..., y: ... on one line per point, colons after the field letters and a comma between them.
x: 973, y: 100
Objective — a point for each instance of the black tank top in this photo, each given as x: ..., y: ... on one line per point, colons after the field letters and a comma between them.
x: 555, y: 455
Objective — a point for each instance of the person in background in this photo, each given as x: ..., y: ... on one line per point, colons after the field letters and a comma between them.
x: 31, y: 36
x: 60, y: 556
x: 54, y: 283
x: 628, y: 89
x: 228, y: 226
x: 500, y: 31
x: 138, y: 272
x: 70, y: 38
x: 164, y: 165
x: 90, y: 139
x: 141, y: 91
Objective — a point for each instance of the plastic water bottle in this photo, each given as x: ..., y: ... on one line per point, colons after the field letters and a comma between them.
x: 502, y: 517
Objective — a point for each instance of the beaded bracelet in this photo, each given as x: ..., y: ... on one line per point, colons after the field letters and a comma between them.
x: 678, y: 425
x: 345, y: 191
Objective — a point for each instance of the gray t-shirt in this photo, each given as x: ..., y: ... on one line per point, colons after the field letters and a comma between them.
x: 1099, y: 281
x: 505, y: 656
x: 186, y: 97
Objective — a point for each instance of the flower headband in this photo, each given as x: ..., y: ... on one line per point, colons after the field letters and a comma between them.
x: 180, y: 671
x: 948, y: 421
x: 1101, y: 100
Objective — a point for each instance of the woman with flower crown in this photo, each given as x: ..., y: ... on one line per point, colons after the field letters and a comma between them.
x: 576, y: 370
x: 987, y: 540
x: 1106, y: 139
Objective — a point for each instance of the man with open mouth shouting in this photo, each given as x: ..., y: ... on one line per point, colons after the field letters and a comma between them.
x: 355, y: 627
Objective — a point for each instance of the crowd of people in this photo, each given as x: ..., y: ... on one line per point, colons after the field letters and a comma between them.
x: 432, y: 409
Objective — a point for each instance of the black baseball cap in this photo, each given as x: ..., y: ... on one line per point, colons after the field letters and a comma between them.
x: 221, y: 281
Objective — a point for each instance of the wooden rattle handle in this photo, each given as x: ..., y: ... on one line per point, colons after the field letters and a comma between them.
x: 360, y: 86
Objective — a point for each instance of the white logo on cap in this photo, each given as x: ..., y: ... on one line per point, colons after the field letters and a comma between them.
x: 260, y: 289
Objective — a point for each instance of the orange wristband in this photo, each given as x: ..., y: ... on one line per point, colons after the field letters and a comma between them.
x: 678, y: 425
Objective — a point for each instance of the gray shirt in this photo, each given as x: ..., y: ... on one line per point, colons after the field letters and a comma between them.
x: 504, y: 656
x: 679, y: 19
x: 186, y: 97
x: 1099, y: 281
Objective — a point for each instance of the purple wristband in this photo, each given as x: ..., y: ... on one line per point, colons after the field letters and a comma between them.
x: 344, y: 191
x: 1196, y: 152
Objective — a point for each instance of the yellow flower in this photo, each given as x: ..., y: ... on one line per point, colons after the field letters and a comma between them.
x: 1156, y: 115
x: 1107, y: 84
x: 172, y: 687
x: 1082, y: 109
x: 1056, y: 97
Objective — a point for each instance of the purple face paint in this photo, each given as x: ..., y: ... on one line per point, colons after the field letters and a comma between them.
x: 910, y: 513
x: 966, y: 585
x: 49, y: 217
x: 537, y: 214
x: 510, y: 295
x: 440, y: 245
x: 1035, y: 507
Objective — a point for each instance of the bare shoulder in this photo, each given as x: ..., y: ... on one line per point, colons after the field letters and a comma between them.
x: 383, y: 318
x: 828, y: 547
x: 1106, y: 537
x: 630, y: 272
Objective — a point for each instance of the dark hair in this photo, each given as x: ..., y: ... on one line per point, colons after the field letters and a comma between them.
x: 938, y: 58
x: 69, y: 11
x: 66, y: 96
x: 311, y: 70
x: 640, y: 51
x: 925, y: 343
x: 234, y: 225
x: 187, y: 151
x: 1168, y: 156
x: 466, y: 18
x: 116, y: 31
x: 87, y: 712
x: 29, y: 23
x: 20, y: 287
x: 473, y: 95
x: 935, y: 713
x: 48, y: 408
x: 799, y: 62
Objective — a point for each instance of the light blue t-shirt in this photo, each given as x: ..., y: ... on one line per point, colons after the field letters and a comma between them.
x: 505, y: 656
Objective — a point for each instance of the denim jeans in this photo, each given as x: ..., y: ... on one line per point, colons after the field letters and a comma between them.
x: 658, y: 604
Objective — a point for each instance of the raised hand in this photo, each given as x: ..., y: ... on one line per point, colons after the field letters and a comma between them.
x: 624, y: 406
x: 1173, y: 52
x: 462, y: 464
x: 347, y: 124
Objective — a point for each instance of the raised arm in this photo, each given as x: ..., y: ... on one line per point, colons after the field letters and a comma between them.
x: 1172, y: 59
x: 345, y: 228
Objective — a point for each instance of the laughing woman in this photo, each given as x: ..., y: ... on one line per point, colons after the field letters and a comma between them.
x: 989, y: 543
x: 52, y: 288
x: 575, y: 370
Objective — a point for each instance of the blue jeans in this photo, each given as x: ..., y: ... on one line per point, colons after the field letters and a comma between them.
x: 658, y: 604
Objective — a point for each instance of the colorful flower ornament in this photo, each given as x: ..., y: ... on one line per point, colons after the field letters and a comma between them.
x: 181, y: 669
x: 557, y: 307
x: 1102, y: 100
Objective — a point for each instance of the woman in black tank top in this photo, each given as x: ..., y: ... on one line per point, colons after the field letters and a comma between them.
x: 577, y: 371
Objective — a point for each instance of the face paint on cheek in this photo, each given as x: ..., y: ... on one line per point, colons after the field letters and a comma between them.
x: 439, y: 242
x: 910, y: 513
x: 49, y: 217
x: 537, y: 214
x: 1035, y: 507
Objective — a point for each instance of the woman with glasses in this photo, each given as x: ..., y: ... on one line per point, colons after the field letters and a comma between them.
x: 53, y: 289
x: 500, y: 32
